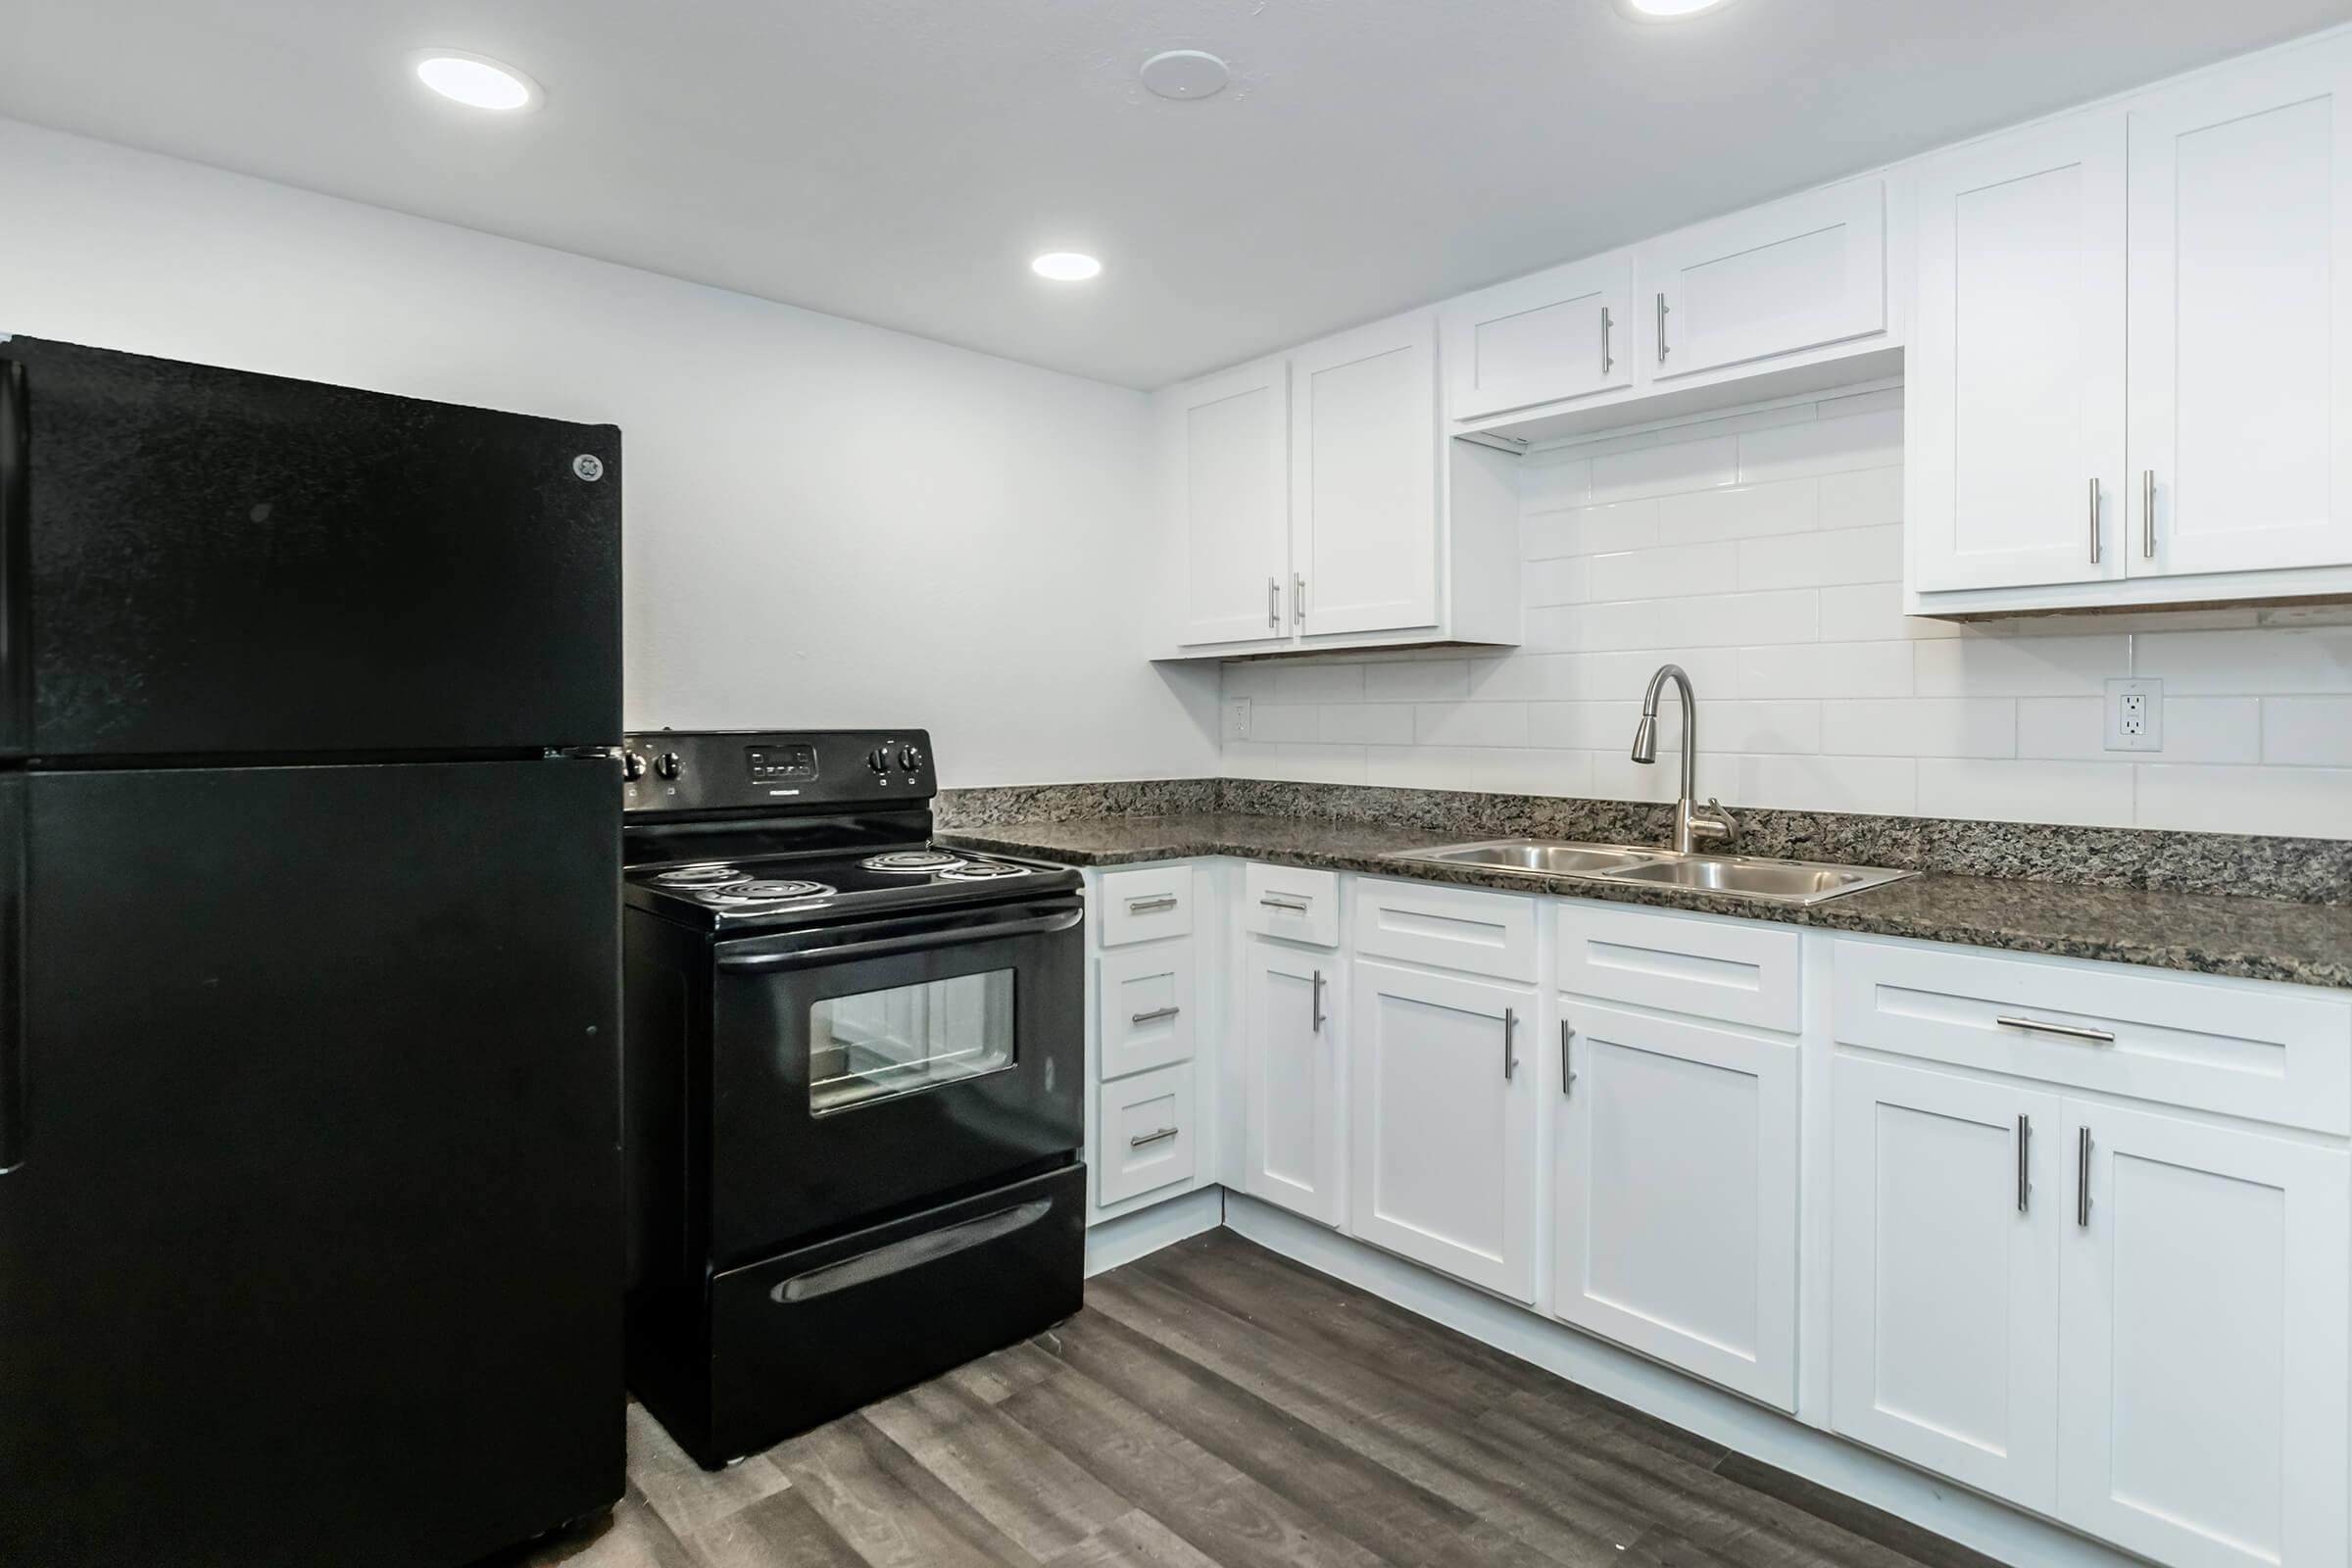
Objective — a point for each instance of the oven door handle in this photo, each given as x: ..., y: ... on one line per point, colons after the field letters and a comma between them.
x: 913, y: 941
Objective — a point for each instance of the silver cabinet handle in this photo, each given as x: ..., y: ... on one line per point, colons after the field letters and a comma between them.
x: 1317, y: 1002
x: 1154, y: 1015
x: 1293, y: 905
x: 2072, y: 1031
x: 1273, y: 604
x: 1159, y: 1136
x: 1661, y: 327
x: 2147, y: 512
x: 1298, y: 597
x: 2094, y: 522
x: 2025, y: 1135
x: 1510, y: 1026
x: 1606, y: 360
x: 2083, y: 1179
x: 1567, y: 1076
x: 1158, y: 900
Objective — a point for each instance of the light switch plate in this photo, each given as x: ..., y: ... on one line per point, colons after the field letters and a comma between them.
x: 2136, y: 716
x: 1237, y: 719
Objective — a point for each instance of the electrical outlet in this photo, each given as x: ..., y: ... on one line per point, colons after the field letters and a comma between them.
x: 2136, y: 716
x: 1237, y: 719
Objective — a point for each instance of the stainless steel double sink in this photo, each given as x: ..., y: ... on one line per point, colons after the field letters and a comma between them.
x: 1737, y: 875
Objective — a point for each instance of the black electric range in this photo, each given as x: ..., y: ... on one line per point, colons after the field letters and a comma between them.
x: 856, y: 1063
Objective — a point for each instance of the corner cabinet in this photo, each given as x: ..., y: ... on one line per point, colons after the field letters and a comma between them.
x: 1310, y: 501
x: 2131, y: 375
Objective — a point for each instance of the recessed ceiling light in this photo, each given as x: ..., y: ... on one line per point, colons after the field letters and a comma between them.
x: 1666, y: 10
x: 1186, y: 73
x: 476, y: 81
x: 1065, y: 266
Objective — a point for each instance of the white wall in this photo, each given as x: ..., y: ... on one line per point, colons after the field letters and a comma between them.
x: 1764, y: 553
x: 827, y: 524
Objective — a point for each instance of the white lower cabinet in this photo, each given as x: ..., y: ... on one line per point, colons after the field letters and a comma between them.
x: 1290, y: 1041
x: 2203, y: 1391
x: 1944, y: 1296
x: 1149, y: 1135
x: 1674, y: 1221
x: 1445, y: 1076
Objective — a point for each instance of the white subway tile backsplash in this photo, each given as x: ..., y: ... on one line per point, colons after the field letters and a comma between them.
x: 2298, y: 801
x: 2094, y: 794
x: 2303, y: 731
x: 1762, y: 553
x: 1419, y: 680
x: 1664, y: 471
x: 1920, y: 726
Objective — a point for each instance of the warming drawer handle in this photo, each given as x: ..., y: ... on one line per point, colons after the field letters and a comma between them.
x: 897, y: 1258
x: 842, y: 951
x: 2072, y: 1031
x: 1154, y: 1015
x: 1141, y: 1140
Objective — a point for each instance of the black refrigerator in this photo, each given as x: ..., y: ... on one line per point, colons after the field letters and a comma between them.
x: 309, y: 1218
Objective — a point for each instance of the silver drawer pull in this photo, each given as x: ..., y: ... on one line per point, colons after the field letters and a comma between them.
x: 1154, y: 1015
x: 1159, y: 1136
x: 1161, y: 901
x: 2072, y: 1031
x: 1294, y: 906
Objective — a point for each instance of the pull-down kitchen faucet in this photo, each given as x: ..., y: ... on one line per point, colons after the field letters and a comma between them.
x: 1690, y: 824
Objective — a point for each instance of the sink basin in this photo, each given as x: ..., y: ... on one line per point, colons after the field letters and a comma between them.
x: 1537, y: 857
x: 1783, y: 881
x: 1738, y: 875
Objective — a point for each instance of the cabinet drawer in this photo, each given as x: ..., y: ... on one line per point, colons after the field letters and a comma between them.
x: 2266, y: 1053
x: 1146, y: 1007
x: 1447, y: 928
x: 1282, y: 900
x: 1738, y: 973
x: 1146, y: 905
x: 1149, y: 1130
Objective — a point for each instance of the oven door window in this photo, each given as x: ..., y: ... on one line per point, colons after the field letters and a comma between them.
x: 878, y: 1044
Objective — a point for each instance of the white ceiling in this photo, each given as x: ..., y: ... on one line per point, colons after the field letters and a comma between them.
x: 898, y: 161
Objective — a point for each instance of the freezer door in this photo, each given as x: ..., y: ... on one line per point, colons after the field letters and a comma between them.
x: 313, y: 1248
x: 203, y: 561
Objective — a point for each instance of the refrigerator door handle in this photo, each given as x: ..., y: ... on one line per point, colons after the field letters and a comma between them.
x: 16, y: 560
x: 14, y: 813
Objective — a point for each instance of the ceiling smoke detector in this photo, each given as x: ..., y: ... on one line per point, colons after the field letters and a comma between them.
x: 1186, y: 73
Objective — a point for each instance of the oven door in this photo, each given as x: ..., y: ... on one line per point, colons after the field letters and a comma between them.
x: 862, y: 1068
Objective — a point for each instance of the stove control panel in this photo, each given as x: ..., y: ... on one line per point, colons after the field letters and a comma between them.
x: 708, y: 770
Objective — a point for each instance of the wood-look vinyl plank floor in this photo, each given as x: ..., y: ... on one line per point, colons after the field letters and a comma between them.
x: 1218, y: 1406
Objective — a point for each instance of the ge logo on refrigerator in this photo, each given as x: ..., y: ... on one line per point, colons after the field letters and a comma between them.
x: 588, y: 465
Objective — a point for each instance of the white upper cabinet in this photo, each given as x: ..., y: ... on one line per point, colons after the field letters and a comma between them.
x: 1229, y: 474
x: 1777, y: 279
x: 2241, y: 317
x: 2155, y: 297
x: 1562, y: 334
x: 1363, y: 481
x: 2015, y: 380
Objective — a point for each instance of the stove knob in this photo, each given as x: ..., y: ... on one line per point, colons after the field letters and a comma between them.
x: 878, y: 759
x: 667, y: 765
x: 910, y: 757
x: 632, y: 765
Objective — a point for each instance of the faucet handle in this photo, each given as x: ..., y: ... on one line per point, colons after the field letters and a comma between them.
x: 1721, y: 823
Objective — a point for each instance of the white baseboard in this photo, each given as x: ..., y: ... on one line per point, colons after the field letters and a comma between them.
x: 1145, y: 1231
x: 1992, y: 1528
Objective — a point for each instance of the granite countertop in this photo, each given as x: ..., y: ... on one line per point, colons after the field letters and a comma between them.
x: 2204, y: 933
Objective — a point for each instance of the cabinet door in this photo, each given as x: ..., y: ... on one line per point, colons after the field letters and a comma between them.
x: 2241, y: 316
x: 1230, y: 461
x: 2015, y: 369
x: 2203, y: 1402
x: 1565, y: 333
x: 1443, y: 1124
x: 1291, y: 1038
x: 1945, y: 1274
x: 1777, y: 280
x: 1364, y: 479
x: 1675, y: 1164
